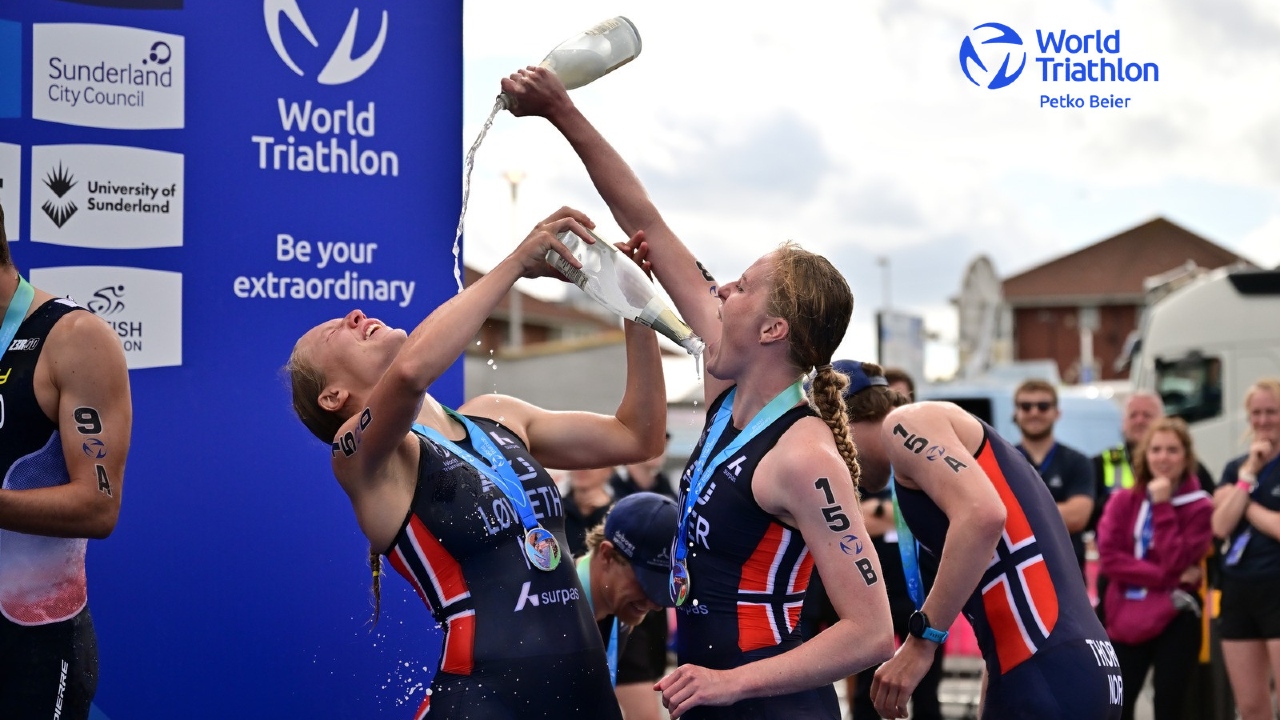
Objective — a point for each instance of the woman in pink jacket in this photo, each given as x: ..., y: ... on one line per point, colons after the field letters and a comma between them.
x: 1150, y: 541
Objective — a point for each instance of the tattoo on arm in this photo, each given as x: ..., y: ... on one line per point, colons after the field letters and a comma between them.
x: 705, y: 275
x: 917, y: 444
x: 833, y: 513
x: 104, y: 483
x: 88, y: 421
x: 350, y: 441
x: 868, y: 571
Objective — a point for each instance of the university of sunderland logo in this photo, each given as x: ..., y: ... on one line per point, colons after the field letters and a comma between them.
x: 341, y: 67
x: 60, y: 181
x: 969, y: 56
x: 107, y: 301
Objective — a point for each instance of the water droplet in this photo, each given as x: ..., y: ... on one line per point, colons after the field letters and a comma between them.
x: 490, y: 361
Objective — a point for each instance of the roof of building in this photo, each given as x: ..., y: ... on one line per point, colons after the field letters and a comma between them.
x: 1112, y: 270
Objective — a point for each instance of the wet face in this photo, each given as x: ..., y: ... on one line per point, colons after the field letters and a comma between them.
x: 742, y: 314
x: 1166, y: 455
x: 1139, y: 413
x: 622, y: 592
x: 352, y: 351
x: 1035, y: 412
x: 1264, y: 416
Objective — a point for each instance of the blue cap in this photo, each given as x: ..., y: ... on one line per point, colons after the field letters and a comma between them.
x: 858, y: 380
x: 642, y: 527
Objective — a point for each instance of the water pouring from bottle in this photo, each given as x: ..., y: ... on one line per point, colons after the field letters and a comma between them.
x: 589, y: 55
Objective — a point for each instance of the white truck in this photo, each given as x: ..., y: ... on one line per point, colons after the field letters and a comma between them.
x: 1202, y: 345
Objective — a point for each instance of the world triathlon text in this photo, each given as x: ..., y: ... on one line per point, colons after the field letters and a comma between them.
x: 1056, y: 68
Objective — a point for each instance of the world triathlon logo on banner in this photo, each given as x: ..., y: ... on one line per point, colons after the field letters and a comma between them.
x: 317, y: 134
x: 994, y: 55
x: 341, y: 67
x: 107, y: 76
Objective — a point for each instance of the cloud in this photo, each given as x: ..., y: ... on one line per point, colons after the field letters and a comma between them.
x: 778, y: 161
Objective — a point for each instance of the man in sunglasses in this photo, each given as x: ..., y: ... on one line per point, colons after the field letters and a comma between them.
x: 1067, y: 472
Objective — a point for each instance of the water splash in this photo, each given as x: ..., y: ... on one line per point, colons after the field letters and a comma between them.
x: 468, y: 166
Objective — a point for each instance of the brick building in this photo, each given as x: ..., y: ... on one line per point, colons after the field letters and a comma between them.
x: 1084, y: 305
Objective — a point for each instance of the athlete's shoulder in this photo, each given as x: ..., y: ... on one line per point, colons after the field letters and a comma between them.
x: 934, y: 415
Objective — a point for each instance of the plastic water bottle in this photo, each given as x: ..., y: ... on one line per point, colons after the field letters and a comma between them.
x: 592, y: 54
x: 614, y: 281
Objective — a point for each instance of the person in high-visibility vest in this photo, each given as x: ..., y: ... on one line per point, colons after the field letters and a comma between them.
x: 1112, y: 469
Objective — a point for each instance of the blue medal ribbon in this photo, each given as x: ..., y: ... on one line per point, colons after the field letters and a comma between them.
x: 18, y: 306
x: 702, y: 470
x: 611, y: 653
x: 908, y: 550
x: 538, y: 541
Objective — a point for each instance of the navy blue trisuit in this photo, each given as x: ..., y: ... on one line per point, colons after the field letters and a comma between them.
x: 519, y: 642
x: 748, y: 573
x: 1047, y: 655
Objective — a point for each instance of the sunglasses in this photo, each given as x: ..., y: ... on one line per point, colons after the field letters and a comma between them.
x: 1043, y: 406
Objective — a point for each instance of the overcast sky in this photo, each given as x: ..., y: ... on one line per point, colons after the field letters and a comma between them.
x: 850, y: 128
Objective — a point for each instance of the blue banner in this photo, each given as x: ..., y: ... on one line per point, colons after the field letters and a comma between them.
x: 213, y: 179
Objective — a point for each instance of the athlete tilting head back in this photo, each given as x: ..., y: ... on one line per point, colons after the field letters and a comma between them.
x: 770, y: 488
x: 1005, y: 559
x: 459, y: 502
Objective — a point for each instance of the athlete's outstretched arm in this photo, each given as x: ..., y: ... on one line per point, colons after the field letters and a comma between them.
x: 433, y: 346
x: 958, y: 486
x: 804, y: 482
x: 576, y: 440
x: 84, y: 365
x: 539, y: 92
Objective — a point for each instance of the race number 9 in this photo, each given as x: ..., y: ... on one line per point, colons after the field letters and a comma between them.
x: 87, y: 421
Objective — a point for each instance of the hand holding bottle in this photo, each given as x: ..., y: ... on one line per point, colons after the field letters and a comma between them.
x: 535, y: 91
x: 589, y: 55
x: 543, y: 242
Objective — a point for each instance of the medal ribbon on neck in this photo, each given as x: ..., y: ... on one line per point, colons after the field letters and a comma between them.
x: 702, y: 470
x: 539, y: 544
x: 908, y: 550
x: 611, y: 654
x: 18, y: 306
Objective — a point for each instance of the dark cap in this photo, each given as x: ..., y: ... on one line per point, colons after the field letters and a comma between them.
x: 858, y: 380
x: 642, y: 526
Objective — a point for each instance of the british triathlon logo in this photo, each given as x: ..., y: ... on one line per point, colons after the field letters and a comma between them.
x: 106, y: 301
x: 1007, y: 51
x: 342, y: 66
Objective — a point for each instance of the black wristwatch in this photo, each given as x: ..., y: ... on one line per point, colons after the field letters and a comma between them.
x: 918, y: 625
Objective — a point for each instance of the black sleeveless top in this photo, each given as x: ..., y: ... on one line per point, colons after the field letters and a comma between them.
x: 461, y: 548
x: 747, y: 571
x: 42, y: 578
